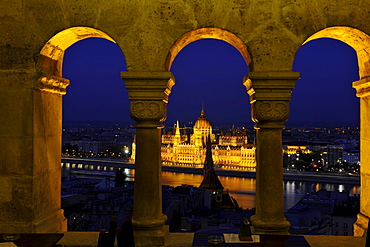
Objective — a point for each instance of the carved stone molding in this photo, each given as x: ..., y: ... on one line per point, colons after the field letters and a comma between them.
x: 270, y: 111
x: 147, y: 110
x: 53, y: 84
x: 270, y: 85
x: 148, y: 85
x: 362, y: 87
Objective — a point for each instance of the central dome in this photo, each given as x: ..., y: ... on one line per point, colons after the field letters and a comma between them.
x: 202, y: 122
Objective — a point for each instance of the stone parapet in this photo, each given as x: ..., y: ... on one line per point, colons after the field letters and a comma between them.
x: 89, y: 239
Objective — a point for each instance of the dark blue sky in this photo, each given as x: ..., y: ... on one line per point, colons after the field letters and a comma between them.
x: 210, y: 72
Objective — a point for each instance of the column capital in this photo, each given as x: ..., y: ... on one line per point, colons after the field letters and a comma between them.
x: 270, y: 85
x: 148, y: 85
x: 270, y: 93
x: 148, y: 92
x: 53, y: 84
x: 362, y: 87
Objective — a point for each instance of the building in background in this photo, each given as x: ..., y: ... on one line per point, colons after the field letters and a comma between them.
x: 229, y: 151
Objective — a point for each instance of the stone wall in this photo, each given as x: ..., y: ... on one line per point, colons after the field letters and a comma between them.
x: 35, y: 33
x: 145, y: 30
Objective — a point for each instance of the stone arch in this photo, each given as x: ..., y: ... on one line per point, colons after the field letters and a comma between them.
x: 360, y: 42
x: 207, y: 33
x: 353, y: 37
x: 52, y: 53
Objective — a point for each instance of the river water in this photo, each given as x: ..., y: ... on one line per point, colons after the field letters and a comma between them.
x: 242, y: 189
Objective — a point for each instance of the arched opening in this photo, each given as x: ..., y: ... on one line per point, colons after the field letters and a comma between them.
x: 96, y: 93
x: 95, y: 127
x: 208, y: 65
x: 47, y: 102
x: 199, y: 44
x: 323, y: 94
x: 323, y: 127
x: 359, y: 41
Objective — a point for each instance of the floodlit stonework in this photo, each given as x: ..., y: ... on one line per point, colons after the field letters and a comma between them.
x: 231, y: 152
x: 36, y: 33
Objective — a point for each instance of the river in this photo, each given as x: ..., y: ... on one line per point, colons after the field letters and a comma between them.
x: 242, y: 189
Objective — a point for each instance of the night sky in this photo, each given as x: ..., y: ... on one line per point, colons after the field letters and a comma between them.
x: 210, y: 72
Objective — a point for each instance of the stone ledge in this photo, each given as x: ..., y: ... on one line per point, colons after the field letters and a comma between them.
x: 334, y: 241
x: 89, y: 239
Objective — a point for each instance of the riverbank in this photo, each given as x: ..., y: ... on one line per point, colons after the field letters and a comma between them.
x: 287, y: 175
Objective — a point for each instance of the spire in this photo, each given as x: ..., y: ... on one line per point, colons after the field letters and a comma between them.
x: 202, y: 112
x: 210, y: 179
x: 233, y: 130
x: 208, y: 163
x: 177, y: 132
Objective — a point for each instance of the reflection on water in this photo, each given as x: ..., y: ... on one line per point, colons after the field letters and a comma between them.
x: 294, y: 190
x: 242, y: 189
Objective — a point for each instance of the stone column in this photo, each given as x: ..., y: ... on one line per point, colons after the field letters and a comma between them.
x: 30, y: 140
x: 363, y: 91
x: 270, y: 93
x: 148, y: 93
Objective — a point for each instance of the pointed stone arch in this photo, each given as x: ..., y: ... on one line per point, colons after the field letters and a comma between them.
x: 207, y: 33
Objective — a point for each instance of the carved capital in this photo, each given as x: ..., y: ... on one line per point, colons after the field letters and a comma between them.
x: 362, y: 87
x: 53, y: 84
x: 270, y: 85
x: 270, y: 111
x: 148, y: 92
x: 270, y: 93
x: 148, y: 85
x: 148, y: 110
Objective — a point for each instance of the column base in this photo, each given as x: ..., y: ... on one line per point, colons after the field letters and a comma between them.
x: 272, y: 228
x: 55, y: 222
x: 360, y: 226
x: 151, y: 236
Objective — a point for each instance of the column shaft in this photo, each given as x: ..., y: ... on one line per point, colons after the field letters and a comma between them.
x: 363, y: 92
x: 148, y: 184
x: 30, y: 140
x: 269, y: 216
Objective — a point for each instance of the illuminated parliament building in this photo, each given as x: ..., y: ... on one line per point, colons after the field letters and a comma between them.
x: 230, y: 151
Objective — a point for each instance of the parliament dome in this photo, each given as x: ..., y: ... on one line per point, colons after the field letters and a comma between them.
x: 202, y: 122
